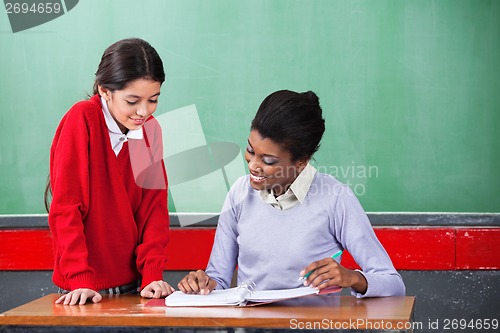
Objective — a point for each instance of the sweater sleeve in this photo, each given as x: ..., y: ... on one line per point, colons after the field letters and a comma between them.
x: 356, y: 234
x: 152, y: 216
x: 69, y: 178
x: 224, y: 254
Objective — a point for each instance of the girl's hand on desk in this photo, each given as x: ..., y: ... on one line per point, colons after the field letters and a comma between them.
x: 197, y: 283
x: 157, y: 289
x: 81, y: 295
x: 327, y: 272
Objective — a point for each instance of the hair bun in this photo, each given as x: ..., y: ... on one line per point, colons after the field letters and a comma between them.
x: 293, y: 120
x: 312, y: 97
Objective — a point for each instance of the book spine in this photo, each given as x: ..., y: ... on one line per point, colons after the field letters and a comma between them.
x: 245, y: 289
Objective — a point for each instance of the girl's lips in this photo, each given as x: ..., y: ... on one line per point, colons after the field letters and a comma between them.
x: 138, y: 121
x: 257, y: 178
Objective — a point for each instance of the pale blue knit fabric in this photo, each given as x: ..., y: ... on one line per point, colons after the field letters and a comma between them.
x: 272, y: 246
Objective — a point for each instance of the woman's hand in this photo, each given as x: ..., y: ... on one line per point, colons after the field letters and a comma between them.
x: 79, y: 296
x: 327, y: 272
x: 197, y: 283
x: 157, y: 289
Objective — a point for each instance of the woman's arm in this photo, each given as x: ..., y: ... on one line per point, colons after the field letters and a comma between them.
x: 224, y: 256
x: 355, y: 233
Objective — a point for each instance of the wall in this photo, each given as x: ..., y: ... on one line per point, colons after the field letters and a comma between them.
x: 409, y: 91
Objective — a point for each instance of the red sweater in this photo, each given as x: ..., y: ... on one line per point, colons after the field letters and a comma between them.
x: 108, y: 216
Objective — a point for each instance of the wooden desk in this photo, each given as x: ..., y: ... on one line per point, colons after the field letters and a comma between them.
x: 128, y: 313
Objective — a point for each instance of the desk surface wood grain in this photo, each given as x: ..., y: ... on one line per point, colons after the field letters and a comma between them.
x: 131, y: 310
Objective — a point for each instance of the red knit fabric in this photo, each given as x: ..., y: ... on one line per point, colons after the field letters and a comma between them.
x: 108, y: 216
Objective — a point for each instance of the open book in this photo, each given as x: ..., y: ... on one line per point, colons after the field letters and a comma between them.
x: 243, y: 295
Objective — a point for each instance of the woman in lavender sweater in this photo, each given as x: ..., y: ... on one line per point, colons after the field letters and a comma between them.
x: 286, y: 219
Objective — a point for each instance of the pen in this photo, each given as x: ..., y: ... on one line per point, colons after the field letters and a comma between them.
x: 337, y: 254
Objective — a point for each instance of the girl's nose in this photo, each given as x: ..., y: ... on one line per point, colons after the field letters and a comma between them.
x: 142, y: 111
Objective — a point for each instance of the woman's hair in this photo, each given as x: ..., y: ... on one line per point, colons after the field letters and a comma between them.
x: 128, y: 60
x: 123, y: 62
x: 293, y: 120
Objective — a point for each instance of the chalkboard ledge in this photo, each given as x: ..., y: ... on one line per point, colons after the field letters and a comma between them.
x: 376, y: 218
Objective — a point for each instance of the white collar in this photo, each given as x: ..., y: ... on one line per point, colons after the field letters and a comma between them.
x: 297, y: 191
x: 302, y: 183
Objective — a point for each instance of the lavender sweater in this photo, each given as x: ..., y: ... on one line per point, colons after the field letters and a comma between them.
x: 272, y: 246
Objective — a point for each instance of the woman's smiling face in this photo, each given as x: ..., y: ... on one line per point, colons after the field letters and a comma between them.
x: 271, y: 167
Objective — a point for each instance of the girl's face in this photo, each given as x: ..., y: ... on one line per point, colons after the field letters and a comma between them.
x: 134, y: 104
x: 270, y: 164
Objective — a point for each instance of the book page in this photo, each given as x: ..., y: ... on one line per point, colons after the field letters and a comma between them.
x: 241, y: 296
x: 274, y: 295
x: 227, y: 297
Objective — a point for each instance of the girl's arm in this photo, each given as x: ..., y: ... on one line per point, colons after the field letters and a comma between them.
x: 69, y: 163
x: 152, y: 216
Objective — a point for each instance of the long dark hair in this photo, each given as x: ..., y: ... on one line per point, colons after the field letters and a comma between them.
x: 293, y: 120
x: 123, y: 62
x: 128, y: 60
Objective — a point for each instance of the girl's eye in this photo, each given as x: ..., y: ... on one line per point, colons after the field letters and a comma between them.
x: 153, y: 101
x: 131, y: 103
x: 250, y: 150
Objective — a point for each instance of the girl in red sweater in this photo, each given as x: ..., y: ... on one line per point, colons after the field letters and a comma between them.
x: 108, y: 216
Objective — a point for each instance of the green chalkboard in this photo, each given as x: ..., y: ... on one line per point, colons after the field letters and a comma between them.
x: 410, y: 91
